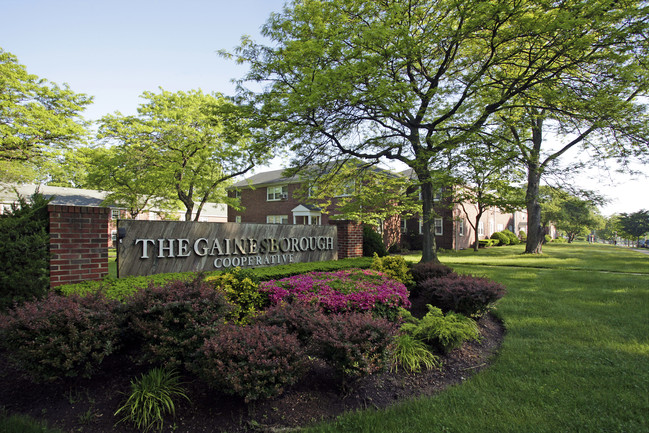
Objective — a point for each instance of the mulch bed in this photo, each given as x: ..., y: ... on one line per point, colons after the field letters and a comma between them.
x: 88, y: 405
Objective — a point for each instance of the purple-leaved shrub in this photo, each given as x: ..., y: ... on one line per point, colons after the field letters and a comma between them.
x: 464, y: 294
x: 60, y: 336
x: 170, y: 322
x: 254, y: 362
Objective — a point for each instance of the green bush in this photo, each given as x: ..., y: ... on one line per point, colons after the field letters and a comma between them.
x: 241, y: 289
x: 513, y: 239
x: 169, y: 323
x: 394, y: 267
x: 24, y: 244
x: 486, y: 243
x: 547, y: 239
x: 373, y: 243
x: 442, y: 332
x: 60, y: 336
x: 254, y: 362
x: 152, y: 396
x: 522, y: 235
x: 502, y: 238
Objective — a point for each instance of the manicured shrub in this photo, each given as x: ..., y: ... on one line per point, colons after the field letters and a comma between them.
x: 24, y: 255
x: 464, y: 294
x: 170, y: 322
x: 394, y: 267
x: 486, y: 243
x: 440, y: 331
x: 373, y: 243
x: 254, y: 362
x: 425, y: 270
x: 523, y: 235
x: 354, y: 344
x: 151, y: 398
x: 502, y: 238
x: 60, y: 336
x: 513, y: 239
x: 348, y: 290
x: 241, y: 289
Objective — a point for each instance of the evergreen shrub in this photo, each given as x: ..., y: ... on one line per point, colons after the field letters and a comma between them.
x: 513, y: 239
x: 59, y: 336
x: 394, y: 267
x: 24, y: 251
x: 254, y: 362
x: 464, y: 294
x: 502, y: 238
x: 373, y: 243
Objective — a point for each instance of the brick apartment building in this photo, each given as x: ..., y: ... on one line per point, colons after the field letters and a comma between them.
x: 272, y: 198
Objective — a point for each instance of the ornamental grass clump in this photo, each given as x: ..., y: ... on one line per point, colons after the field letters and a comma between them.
x: 60, y: 336
x: 342, y: 291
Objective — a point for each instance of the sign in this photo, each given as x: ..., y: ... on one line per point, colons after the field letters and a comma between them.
x: 155, y: 247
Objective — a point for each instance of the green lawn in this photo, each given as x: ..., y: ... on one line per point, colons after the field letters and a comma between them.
x: 575, y: 357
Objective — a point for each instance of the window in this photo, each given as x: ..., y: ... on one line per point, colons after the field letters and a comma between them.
x: 277, y: 219
x: 237, y: 193
x: 481, y: 228
x: 114, y: 214
x: 439, y: 226
x: 421, y: 226
x: 404, y: 226
x: 437, y: 195
x: 237, y: 219
x: 275, y: 193
x: 346, y: 189
x: 500, y: 227
x: 460, y: 227
x: 491, y: 227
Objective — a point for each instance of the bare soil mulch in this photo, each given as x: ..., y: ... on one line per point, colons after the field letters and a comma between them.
x: 88, y: 406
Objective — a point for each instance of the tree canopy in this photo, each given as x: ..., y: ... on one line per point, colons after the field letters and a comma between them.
x: 182, y: 146
x: 406, y: 81
x: 35, y: 114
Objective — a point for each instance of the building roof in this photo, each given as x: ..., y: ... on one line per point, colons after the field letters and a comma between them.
x: 267, y: 178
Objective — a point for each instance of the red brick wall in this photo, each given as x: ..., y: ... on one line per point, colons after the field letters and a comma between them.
x: 78, y: 244
x: 350, y: 238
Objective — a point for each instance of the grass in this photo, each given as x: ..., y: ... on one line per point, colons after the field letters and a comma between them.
x: 575, y: 358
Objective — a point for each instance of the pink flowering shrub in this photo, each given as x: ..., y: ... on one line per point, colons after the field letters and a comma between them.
x: 60, y: 336
x: 342, y: 291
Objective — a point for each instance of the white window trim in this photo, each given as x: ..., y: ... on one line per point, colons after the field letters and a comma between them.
x: 440, y: 226
x: 481, y: 228
x: 460, y: 227
x: 283, y: 193
x: 272, y: 219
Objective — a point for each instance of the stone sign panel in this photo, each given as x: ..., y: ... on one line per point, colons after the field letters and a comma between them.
x: 155, y: 247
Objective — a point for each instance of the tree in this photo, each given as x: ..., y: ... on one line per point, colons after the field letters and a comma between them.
x: 182, y: 146
x: 405, y: 81
x: 35, y: 114
x: 570, y: 214
x: 485, y: 179
x: 635, y: 224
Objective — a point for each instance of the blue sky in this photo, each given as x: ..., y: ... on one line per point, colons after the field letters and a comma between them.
x: 115, y: 50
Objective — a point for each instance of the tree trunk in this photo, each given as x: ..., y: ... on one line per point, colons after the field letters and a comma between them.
x: 429, y: 246
x: 476, y: 245
x: 536, y: 234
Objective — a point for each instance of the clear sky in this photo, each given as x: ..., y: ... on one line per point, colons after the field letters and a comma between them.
x: 115, y: 50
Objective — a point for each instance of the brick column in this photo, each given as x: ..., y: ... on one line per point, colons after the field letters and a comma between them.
x: 78, y: 244
x: 350, y: 238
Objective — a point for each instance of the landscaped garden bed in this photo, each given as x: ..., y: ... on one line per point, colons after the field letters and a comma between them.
x: 250, y: 355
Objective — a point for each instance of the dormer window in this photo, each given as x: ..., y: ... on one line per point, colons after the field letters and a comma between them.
x: 276, y: 193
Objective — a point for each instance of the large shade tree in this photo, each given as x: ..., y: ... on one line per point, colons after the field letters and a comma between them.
x: 408, y: 80
x: 183, y: 146
x: 35, y: 115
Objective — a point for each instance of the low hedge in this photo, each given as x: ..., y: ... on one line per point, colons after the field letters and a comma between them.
x: 122, y: 288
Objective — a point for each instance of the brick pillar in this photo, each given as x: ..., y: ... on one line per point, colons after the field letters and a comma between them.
x: 78, y: 244
x: 350, y: 238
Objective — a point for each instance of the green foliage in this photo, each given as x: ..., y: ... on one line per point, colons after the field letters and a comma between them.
x: 486, y: 243
x: 513, y: 239
x: 373, y: 243
x: 442, y: 332
x: 394, y: 267
x: 23, y: 424
x: 502, y: 238
x: 151, y: 398
x: 547, y: 238
x: 523, y: 235
x: 24, y: 251
x: 254, y: 362
x: 170, y: 322
x: 241, y: 289
x: 59, y: 336
x: 412, y: 354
